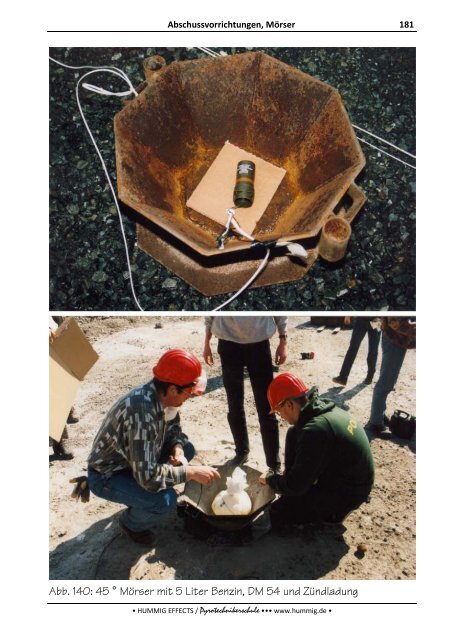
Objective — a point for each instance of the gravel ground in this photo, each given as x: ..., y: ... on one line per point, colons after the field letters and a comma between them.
x: 88, y: 269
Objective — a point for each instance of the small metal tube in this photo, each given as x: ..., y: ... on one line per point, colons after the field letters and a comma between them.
x: 244, y: 184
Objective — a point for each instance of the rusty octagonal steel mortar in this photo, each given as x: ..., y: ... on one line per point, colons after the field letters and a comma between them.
x: 168, y: 136
x: 198, y: 499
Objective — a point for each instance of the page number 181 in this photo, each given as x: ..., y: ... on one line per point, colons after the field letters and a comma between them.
x: 406, y: 24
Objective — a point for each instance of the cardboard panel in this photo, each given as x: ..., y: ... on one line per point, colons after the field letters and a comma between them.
x: 71, y: 356
x: 62, y: 391
x: 214, y: 194
x: 73, y: 348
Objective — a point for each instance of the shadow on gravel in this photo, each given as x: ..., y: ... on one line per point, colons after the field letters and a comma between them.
x: 341, y: 397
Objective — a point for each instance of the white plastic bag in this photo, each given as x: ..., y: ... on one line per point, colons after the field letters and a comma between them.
x: 234, y: 500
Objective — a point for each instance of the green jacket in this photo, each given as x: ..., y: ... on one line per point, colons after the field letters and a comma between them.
x: 328, y: 447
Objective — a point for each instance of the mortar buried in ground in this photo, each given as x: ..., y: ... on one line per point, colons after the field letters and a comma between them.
x: 199, y: 499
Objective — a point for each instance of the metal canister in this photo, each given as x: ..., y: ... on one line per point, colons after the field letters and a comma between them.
x: 244, y: 184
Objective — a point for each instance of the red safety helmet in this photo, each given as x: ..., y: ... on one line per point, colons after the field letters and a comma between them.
x: 284, y: 386
x: 178, y: 366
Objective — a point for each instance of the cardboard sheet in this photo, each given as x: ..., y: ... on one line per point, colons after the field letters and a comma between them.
x: 71, y: 356
x: 214, y: 194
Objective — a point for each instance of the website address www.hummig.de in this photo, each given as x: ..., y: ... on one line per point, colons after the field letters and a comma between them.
x: 314, y: 611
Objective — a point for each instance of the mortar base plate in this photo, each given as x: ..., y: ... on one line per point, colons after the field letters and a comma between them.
x: 212, y: 276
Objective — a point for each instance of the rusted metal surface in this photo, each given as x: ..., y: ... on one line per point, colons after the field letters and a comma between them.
x: 210, y: 278
x: 199, y: 498
x: 167, y: 137
x: 226, y: 272
x: 334, y: 239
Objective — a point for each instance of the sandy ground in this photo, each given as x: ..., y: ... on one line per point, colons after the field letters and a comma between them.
x: 84, y: 538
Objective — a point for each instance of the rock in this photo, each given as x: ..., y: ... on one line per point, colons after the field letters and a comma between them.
x: 169, y: 283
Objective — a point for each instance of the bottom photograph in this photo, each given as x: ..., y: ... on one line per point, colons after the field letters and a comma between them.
x: 232, y: 448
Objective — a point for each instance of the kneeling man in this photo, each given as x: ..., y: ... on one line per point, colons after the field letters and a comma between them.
x: 140, y: 452
x: 329, y: 470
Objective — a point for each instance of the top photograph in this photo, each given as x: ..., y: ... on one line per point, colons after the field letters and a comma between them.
x: 235, y: 179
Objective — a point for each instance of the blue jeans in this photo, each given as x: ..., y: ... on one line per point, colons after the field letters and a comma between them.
x: 143, y: 506
x: 360, y: 328
x: 391, y: 363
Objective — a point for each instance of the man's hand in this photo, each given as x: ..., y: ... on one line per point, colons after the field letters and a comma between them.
x: 177, y: 458
x: 281, y: 353
x: 347, y: 321
x: 203, y: 475
x: 207, y: 354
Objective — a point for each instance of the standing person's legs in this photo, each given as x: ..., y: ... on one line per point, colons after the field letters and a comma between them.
x: 358, y: 333
x: 259, y: 364
x: 373, y: 336
x: 232, y: 366
x: 391, y: 363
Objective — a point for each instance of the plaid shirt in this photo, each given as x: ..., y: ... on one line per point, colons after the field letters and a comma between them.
x: 133, y: 435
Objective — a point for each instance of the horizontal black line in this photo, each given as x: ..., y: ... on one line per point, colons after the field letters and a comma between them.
x: 238, y: 31
x: 261, y: 604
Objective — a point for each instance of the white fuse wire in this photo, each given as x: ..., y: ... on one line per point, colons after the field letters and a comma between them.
x: 385, y: 152
x: 383, y: 140
x: 100, y: 90
x: 261, y: 267
x: 210, y: 52
x: 293, y: 249
x: 232, y: 220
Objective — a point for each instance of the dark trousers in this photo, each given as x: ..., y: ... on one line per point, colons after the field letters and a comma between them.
x: 256, y: 357
x: 360, y: 328
x: 318, y: 504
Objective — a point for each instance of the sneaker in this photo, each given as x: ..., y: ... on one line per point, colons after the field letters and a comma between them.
x: 340, y: 380
x: 238, y: 459
x: 146, y: 537
x: 368, y: 379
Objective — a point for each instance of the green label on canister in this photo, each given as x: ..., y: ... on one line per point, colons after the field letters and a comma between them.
x: 244, y: 184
